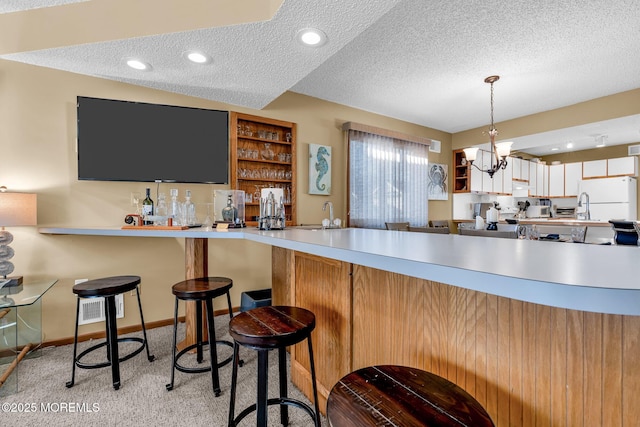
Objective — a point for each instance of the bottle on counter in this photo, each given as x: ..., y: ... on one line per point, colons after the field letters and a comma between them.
x: 189, y: 210
x: 161, y: 210
x: 174, y: 207
x: 229, y: 212
x: 147, y: 208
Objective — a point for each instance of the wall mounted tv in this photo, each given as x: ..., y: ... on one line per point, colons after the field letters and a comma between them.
x: 135, y: 141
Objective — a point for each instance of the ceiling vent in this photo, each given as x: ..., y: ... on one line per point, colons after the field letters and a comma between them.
x: 634, y: 150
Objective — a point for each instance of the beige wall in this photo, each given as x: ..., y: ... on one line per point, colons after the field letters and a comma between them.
x: 608, y: 107
x: 37, y: 138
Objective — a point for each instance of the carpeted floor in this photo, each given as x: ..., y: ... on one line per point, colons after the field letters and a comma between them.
x: 142, y: 400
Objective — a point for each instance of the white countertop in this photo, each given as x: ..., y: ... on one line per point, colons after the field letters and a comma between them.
x: 576, y: 276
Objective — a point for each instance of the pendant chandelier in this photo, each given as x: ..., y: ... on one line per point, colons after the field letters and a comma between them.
x: 499, y: 151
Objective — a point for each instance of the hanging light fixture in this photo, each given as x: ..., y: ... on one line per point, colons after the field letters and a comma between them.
x: 499, y: 151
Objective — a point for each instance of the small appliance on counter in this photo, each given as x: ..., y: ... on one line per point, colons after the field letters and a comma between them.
x: 564, y: 212
x: 272, y: 214
x: 480, y: 209
x: 538, y: 211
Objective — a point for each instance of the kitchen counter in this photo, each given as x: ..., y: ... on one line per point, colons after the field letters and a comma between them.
x: 582, y: 277
x: 516, y: 323
x: 551, y: 222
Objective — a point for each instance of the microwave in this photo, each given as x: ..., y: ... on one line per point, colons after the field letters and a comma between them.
x: 538, y: 211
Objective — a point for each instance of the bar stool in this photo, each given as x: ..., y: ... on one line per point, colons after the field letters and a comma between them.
x: 402, y: 396
x: 264, y: 329
x: 108, y: 288
x: 203, y: 289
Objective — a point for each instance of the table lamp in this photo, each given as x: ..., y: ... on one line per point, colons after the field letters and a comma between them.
x: 16, y: 209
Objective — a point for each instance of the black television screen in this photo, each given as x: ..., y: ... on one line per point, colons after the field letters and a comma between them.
x: 135, y: 141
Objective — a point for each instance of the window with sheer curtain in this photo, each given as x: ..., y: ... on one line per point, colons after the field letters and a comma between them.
x: 388, y: 179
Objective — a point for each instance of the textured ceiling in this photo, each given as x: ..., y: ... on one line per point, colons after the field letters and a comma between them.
x: 422, y: 61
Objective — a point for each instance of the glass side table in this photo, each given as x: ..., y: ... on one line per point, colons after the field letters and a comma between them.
x: 20, y: 328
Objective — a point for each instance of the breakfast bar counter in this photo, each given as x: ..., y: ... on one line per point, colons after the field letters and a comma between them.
x: 539, y: 333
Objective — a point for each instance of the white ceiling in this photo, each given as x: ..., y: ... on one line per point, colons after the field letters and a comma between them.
x: 422, y: 61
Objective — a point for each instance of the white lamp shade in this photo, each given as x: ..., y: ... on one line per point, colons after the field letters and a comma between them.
x: 503, y: 148
x: 470, y: 153
x: 18, y: 209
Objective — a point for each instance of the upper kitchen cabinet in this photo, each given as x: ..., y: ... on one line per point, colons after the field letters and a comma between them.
x: 461, y: 175
x: 622, y: 166
x: 263, y: 155
x: 572, y: 177
x: 594, y: 169
x: 556, y: 180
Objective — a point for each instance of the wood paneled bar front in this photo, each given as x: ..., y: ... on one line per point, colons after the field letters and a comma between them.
x: 540, y: 333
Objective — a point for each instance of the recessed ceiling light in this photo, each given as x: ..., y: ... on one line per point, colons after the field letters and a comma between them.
x: 569, y: 144
x: 137, y: 64
x: 555, y: 149
x: 198, y: 57
x: 312, y: 37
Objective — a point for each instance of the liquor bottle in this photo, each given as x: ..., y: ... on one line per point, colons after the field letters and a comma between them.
x: 147, y: 208
x: 229, y: 212
x: 174, y: 207
x: 189, y: 209
x: 161, y: 210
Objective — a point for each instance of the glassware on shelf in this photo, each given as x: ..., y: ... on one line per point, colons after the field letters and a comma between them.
x: 162, y: 210
x: 267, y: 153
x: 189, y: 210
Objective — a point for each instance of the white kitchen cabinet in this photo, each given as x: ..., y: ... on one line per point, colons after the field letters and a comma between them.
x: 476, y: 175
x: 533, y: 183
x: 498, y: 182
x: 556, y: 180
x: 541, y: 181
x: 524, y: 170
x: 487, y: 181
x: 622, y: 166
x: 507, y: 178
x: 594, y: 169
x: 516, y: 165
x: 572, y: 177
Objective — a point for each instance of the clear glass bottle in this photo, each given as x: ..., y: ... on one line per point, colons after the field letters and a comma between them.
x: 174, y: 207
x: 189, y: 210
x: 147, y: 208
x: 162, y: 210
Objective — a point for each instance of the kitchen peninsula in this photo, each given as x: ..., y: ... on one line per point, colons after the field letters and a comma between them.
x: 537, y: 333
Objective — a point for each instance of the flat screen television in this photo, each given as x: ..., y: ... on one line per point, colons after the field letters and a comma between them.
x: 136, y: 141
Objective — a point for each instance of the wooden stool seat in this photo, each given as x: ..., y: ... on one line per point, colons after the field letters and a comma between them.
x: 265, y: 329
x: 202, y: 290
x: 401, y: 396
x: 272, y: 327
x: 108, y: 288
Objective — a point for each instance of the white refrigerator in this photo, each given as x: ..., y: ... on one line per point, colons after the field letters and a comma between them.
x: 610, y: 198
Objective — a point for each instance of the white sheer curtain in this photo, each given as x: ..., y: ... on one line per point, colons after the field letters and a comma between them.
x: 388, y: 181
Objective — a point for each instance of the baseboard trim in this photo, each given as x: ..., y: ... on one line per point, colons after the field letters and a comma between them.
x: 124, y: 330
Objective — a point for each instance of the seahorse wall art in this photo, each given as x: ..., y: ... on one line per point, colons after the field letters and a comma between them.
x: 319, y: 169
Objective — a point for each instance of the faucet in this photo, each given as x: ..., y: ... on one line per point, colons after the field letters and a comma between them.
x: 324, y: 208
x: 587, y: 214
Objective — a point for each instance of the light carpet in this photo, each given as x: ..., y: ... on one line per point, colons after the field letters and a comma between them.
x: 142, y: 400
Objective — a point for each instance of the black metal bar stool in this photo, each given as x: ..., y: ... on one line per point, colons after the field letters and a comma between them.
x: 203, y: 289
x: 264, y: 329
x: 401, y: 396
x: 108, y: 288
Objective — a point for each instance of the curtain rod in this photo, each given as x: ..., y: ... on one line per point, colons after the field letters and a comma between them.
x: 385, y: 132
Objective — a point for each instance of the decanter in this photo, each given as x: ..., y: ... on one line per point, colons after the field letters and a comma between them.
x: 267, y: 153
x: 229, y: 212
